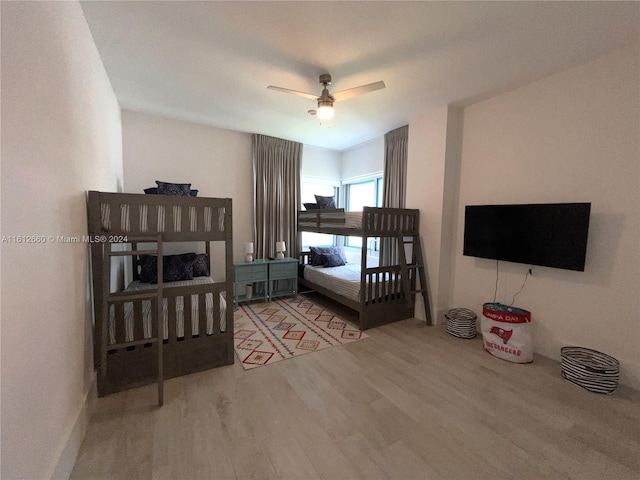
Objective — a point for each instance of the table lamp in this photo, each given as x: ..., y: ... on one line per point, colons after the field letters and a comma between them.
x: 248, y: 250
x: 280, y: 249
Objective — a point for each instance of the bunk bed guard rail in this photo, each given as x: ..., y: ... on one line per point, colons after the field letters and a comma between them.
x: 372, y: 221
x: 177, y: 218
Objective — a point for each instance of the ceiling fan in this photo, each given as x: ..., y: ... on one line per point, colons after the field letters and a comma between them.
x: 326, y: 99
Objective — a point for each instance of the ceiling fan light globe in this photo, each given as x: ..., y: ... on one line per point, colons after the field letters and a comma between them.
x: 325, y: 112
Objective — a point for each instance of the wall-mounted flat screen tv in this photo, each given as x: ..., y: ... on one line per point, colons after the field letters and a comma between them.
x: 549, y: 234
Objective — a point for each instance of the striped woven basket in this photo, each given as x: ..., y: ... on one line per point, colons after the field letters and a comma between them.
x: 461, y: 323
x: 590, y: 369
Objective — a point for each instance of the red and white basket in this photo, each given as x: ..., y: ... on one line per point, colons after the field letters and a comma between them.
x: 506, y: 332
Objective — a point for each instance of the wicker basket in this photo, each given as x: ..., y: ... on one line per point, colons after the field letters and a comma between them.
x: 461, y: 323
x: 590, y: 369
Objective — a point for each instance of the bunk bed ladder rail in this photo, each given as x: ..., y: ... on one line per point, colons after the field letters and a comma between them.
x: 417, y: 267
x: 118, y: 300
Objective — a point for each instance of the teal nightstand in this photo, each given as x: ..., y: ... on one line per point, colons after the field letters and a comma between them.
x: 250, y: 272
x: 286, y: 271
x: 267, y: 272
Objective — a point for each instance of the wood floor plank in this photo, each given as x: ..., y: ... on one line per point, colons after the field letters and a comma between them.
x: 194, y: 444
x: 249, y: 457
x: 363, y: 456
x: 400, y: 461
x: 268, y: 419
x: 409, y: 402
x: 309, y: 428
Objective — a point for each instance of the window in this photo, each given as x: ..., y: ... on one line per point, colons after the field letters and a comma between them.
x: 308, y: 189
x: 366, y: 193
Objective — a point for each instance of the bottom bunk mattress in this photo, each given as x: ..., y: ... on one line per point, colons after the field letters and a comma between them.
x: 343, y: 280
x: 137, y: 286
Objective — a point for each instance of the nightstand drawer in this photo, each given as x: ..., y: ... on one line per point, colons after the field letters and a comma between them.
x: 283, y: 270
x: 251, y: 273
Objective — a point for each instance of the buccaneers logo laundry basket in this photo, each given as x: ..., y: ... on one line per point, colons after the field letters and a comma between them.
x: 506, y: 332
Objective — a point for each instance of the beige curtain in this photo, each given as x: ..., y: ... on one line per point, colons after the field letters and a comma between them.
x: 276, y: 174
x: 395, y: 184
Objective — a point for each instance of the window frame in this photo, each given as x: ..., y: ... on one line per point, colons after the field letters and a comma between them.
x: 378, y: 180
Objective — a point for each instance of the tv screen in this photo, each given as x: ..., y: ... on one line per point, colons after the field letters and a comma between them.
x: 550, y: 234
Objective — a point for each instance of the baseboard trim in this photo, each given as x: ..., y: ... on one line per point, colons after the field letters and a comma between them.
x: 71, y: 447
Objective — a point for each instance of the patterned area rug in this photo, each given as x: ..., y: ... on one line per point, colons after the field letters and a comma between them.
x: 266, y: 333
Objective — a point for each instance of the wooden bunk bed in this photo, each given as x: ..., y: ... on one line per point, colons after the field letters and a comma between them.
x: 381, y: 294
x: 152, y: 331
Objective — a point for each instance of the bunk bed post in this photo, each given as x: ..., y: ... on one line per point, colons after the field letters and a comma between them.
x: 93, y: 215
x: 228, y: 235
x: 159, y: 314
x: 135, y: 261
x: 98, y: 298
x: 363, y: 280
x: 104, y: 313
x: 404, y: 272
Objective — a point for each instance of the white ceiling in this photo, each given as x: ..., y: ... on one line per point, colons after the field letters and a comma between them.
x: 210, y: 62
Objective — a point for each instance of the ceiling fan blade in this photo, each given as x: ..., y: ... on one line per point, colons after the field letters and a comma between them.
x: 352, y: 92
x: 295, y: 92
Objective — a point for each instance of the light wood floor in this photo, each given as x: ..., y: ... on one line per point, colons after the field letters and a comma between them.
x: 410, y: 402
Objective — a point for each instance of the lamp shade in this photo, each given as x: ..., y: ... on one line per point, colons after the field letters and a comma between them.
x: 280, y: 247
x: 248, y: 247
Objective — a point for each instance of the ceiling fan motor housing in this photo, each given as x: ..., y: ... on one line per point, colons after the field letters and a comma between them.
x: 325, y: 79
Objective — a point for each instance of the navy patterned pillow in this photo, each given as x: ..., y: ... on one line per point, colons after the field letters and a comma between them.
x: 311, y: 206
x: 325, y: 202
x: 148, y: 269
x: 201, y: 265
x: 316, y: 256
x: 174, y: 268
x: 177, y: 267
x: 317, y: 253
x: 182, y: 189
x: 332, y: 260
x: 154, y: 191
x: 340, y: 252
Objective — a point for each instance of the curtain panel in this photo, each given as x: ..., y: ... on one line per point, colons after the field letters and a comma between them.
x: 395, y: 184
x: 276, y: 175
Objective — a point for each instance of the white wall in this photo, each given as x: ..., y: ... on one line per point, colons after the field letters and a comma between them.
x: 450, y: 194
x: 321, y: 163
x: 61, y: 136
x: 215, y: 161
x: 363, y: 159
x: 426, y: 160
x: 571, y: 137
